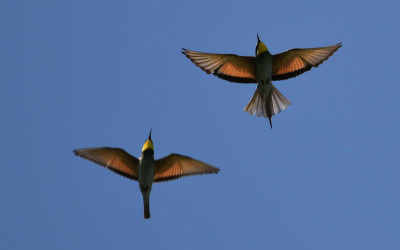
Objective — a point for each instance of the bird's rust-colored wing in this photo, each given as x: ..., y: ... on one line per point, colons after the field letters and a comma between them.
x: 176, y: 166
x: 229, y: 67
x: 115, y: 159
x: 297, y: 61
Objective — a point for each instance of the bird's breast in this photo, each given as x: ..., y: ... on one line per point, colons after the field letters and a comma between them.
x: 146, y: 171
x: 264, y: 68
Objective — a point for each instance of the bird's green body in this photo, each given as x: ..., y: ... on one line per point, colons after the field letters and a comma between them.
x: 264, y: 68
x: 146, y: 175
x: 263, y: 77
x: 263, y: 74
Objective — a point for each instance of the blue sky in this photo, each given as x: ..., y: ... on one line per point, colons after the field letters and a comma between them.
x: 102, y: 73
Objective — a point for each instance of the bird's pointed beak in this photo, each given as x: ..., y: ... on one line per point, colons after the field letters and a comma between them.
x: 258, y: 38
x: 150, y: 135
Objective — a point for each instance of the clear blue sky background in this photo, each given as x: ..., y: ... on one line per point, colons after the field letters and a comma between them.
x: 102, y: 73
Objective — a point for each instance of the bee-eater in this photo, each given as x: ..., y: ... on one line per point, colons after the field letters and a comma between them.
x: 262, y: 69
x: 146, y: 170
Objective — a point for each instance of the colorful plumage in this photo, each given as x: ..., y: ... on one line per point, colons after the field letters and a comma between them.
x: 262, y: 69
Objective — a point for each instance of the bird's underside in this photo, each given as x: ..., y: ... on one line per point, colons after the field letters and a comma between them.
x: 241, y: 69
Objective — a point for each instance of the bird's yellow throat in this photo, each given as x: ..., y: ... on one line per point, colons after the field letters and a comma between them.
x: 148, y: 144
x: 261, y: 48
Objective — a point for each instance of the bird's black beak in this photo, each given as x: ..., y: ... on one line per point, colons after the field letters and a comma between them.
x: 258, y: 38
x: 150, y: 135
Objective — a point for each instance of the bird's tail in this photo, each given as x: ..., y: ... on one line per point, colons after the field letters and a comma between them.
x: 267, y: 103
x: 147, y: 210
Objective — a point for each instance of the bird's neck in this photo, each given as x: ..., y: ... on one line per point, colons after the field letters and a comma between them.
x: 148, y: 153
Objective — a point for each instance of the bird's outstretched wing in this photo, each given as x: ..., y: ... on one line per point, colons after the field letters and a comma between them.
x: 115, y: 159
x: 297, y: 61
x: 229, y: 67
x: 176, y: 166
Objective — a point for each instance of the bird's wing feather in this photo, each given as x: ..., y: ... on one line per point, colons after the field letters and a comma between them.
x: 176, y: 166
x: 115, y: 159
x: 297, y: 61
x: 229, y: 67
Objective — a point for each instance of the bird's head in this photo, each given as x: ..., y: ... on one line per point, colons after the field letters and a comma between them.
x: 260, y: 48
x: 148, y: 145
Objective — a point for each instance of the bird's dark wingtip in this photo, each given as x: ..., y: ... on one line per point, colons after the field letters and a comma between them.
x: 214, y: 171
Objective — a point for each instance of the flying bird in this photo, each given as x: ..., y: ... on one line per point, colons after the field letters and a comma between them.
x: 262, y: 69
x: 146, y: 169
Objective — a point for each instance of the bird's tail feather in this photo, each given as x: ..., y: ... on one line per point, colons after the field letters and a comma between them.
x: 147, y: 210
x: 267, y: 104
